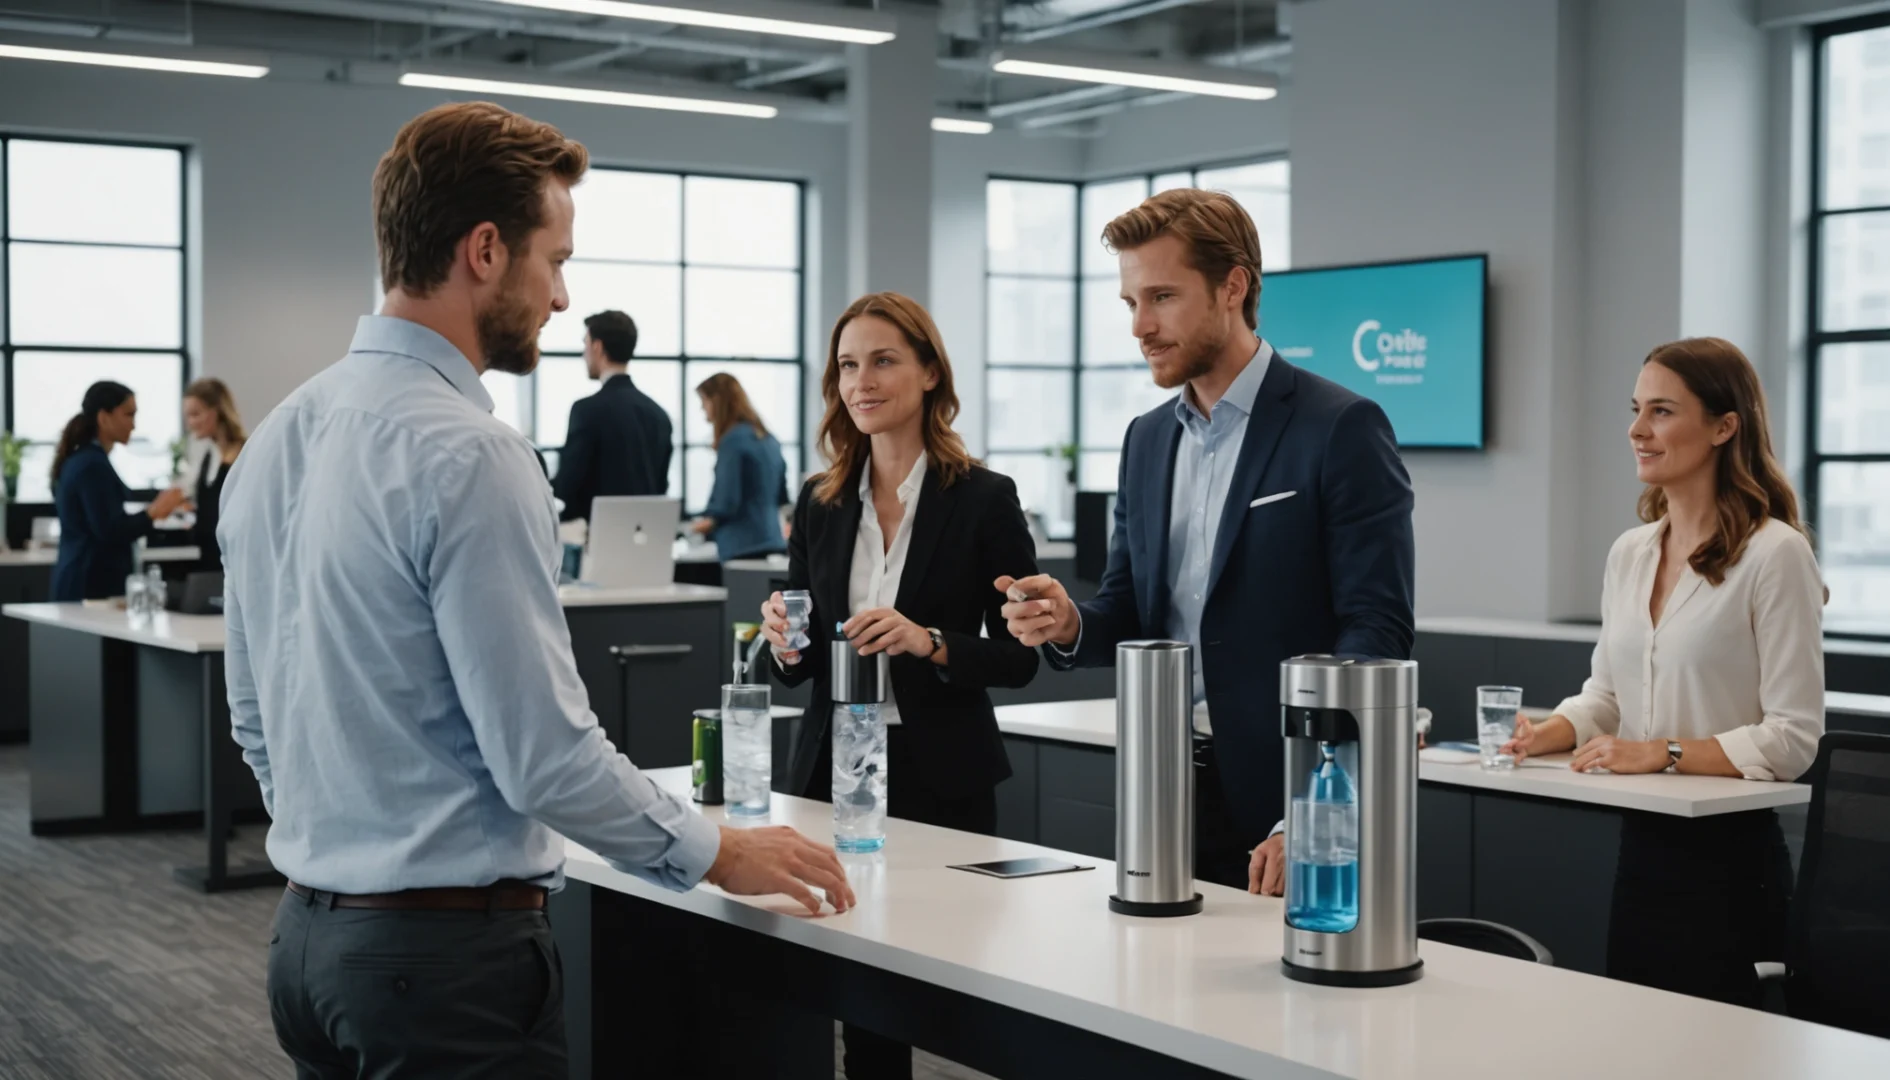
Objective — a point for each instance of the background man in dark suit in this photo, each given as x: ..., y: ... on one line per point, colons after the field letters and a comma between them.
x: 619, y: 439
x: 1261, y: 514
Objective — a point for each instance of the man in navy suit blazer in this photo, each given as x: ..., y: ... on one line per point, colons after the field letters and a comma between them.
x: 1302, y: 543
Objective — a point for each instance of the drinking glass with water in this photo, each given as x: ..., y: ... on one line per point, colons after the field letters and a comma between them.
x: 800, y: 609
x: 1497, y: 707
x: 747, y: 749
x: 859, y: 778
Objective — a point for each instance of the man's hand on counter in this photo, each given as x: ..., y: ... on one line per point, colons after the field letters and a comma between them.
x: 1266, y: 868
x: 762, y: 862
x: 1039, y: 609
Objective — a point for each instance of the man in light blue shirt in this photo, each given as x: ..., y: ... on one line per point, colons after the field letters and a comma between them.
x: 399, y: 668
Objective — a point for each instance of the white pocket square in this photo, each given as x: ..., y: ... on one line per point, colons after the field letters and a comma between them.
x: 1271, y: 499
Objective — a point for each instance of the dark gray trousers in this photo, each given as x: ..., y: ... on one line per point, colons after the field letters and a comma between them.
x: 397, y: 995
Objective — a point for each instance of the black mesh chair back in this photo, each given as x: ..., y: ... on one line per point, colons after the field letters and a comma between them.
x: 1838, y: 951
x: 1485, y: 936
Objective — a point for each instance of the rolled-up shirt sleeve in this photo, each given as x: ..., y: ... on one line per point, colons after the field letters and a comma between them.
x: 1787, y: 624
x: 491, y: 569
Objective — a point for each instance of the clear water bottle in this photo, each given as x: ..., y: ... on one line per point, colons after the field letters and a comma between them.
x: 859, y: 778
x: 1322, y: 856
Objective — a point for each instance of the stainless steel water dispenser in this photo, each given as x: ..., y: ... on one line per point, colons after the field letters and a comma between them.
x: 1351, y: 825
x: 1154, y: 780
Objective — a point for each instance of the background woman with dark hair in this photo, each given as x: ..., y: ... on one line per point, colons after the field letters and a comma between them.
x: 1723, y: 578
x: 744, y: 511
x: 95, y: 533
x: 900, y: 540
x: 210, y: 415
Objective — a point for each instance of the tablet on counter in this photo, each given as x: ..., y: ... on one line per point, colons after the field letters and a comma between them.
x: 1016, y: 868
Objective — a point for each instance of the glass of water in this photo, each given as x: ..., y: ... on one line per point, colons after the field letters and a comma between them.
x: 800, y: 608
x: 1497, y: 707
x: 137, y: 589
x: 747, y: 749
x: 859, y: 778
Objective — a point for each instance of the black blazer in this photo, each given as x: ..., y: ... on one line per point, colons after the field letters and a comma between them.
x: 618, y: 443
x: 95, y: 533
x: 1315, y: 553
x: 964, y: 537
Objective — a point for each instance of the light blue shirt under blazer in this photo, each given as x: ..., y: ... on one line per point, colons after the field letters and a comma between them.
x: 399, y: 668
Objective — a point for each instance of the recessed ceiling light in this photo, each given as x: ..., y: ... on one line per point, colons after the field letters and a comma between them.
x: 590, y: 96
x: 957, y: 126
x: 128, y: 60
x: 787, y: 20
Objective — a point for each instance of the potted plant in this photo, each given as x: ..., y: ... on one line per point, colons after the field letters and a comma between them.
x: 1066, y: 451
x: 179, y: 446
x: 12, y: 450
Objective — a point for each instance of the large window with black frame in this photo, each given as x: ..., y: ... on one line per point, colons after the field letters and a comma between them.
x: 1847, y: 472
x: 1064, y: 376
x: 92, y: 286
x: 710, y: 268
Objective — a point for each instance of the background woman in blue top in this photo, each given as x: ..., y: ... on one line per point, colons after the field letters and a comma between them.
x: 744, y: 512
x: 95, y: 533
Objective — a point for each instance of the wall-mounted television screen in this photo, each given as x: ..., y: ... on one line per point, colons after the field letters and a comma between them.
x: 1409, y: 335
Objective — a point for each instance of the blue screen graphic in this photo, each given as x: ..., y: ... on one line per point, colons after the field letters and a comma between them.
x: 1407, y: 335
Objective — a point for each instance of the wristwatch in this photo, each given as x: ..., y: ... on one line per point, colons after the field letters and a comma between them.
x: 1673, y: 755
x: 938, y: 639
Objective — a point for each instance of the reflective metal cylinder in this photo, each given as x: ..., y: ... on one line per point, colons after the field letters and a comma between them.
x: 856, y: 679
x: 1154, y: 780
x: 1367, y: 709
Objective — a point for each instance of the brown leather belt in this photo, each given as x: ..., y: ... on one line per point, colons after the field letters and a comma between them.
x: 499, y: 896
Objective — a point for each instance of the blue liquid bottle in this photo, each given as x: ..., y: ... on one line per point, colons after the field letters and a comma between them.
x: 1322, y: 855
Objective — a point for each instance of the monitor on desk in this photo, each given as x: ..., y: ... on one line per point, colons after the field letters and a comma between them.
x: 632, y: 541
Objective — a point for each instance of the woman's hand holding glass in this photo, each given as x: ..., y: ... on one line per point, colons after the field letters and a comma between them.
x: 774, y: 627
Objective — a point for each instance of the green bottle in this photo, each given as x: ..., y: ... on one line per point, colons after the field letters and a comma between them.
x: 706, y: 775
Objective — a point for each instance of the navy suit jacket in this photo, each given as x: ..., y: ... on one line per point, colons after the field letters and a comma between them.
x: 1328, y: 568
x: 618, y: 443
x: 95, y: 533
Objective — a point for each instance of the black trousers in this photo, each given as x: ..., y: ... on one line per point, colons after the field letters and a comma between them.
x: 1698, y: 901
x: 1221, y: 845
x: 871, y: 1056
x: 394, y: 995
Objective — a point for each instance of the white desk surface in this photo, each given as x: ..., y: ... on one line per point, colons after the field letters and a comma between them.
x: 1207, y: 989
x: 39, y: 557
x: 172, y: 554
x: 165, y: 630
x: 772, y: 564
x: 596, y: 596
x: 1056, y: 549
x: 1837, y: 701
x: 1093, y: 723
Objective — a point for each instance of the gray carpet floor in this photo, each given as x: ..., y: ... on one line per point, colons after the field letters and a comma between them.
x: 110, y: 970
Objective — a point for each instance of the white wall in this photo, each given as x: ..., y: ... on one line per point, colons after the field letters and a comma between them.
x: 1184, y: 134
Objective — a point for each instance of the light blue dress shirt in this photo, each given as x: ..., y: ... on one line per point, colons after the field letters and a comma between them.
x: 399, y: 668
x: 1204, y: 471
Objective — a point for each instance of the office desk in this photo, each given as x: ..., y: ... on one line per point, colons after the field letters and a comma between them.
x: 25, y: 578
x: 673, y: 638
x: 1037, y: 978
x: 1550, y: 661
x: 1533, y: 848
x: 131, y: 730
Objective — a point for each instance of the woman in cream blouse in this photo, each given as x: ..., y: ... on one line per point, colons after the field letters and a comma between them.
x: 1710, y: 661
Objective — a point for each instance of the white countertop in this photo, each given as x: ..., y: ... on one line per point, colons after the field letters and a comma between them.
x: 172, y: 554
x: 773, y: 564
x: 1207, y: 989
x: 40, y: 557
x: 1837, y: 701
x: 1509, y: 628
x: 604, y: 596
x: 1056, y: 549
x: 165, y: 630
x: 1093, y: 723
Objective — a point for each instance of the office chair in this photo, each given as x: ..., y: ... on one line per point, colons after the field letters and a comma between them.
x: 1485, y: 936
x: 1837, y: 949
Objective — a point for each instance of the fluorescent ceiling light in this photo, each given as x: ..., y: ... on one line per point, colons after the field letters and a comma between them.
x: 822, y: 24
x: 1143, y: 74
x: 589, y: 96
x: 957, y: 126
x: 127, y: 60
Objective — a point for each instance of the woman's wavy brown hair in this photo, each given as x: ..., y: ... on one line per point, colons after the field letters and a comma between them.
x: 727, y: 404
x: 1749, y: 484
x: 842, y: 442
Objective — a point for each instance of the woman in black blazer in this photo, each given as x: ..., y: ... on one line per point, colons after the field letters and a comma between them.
x: 901, y: 541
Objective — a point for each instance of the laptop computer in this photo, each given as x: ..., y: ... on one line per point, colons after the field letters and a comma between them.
x: 200, y: 593
x: 632, y: 541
